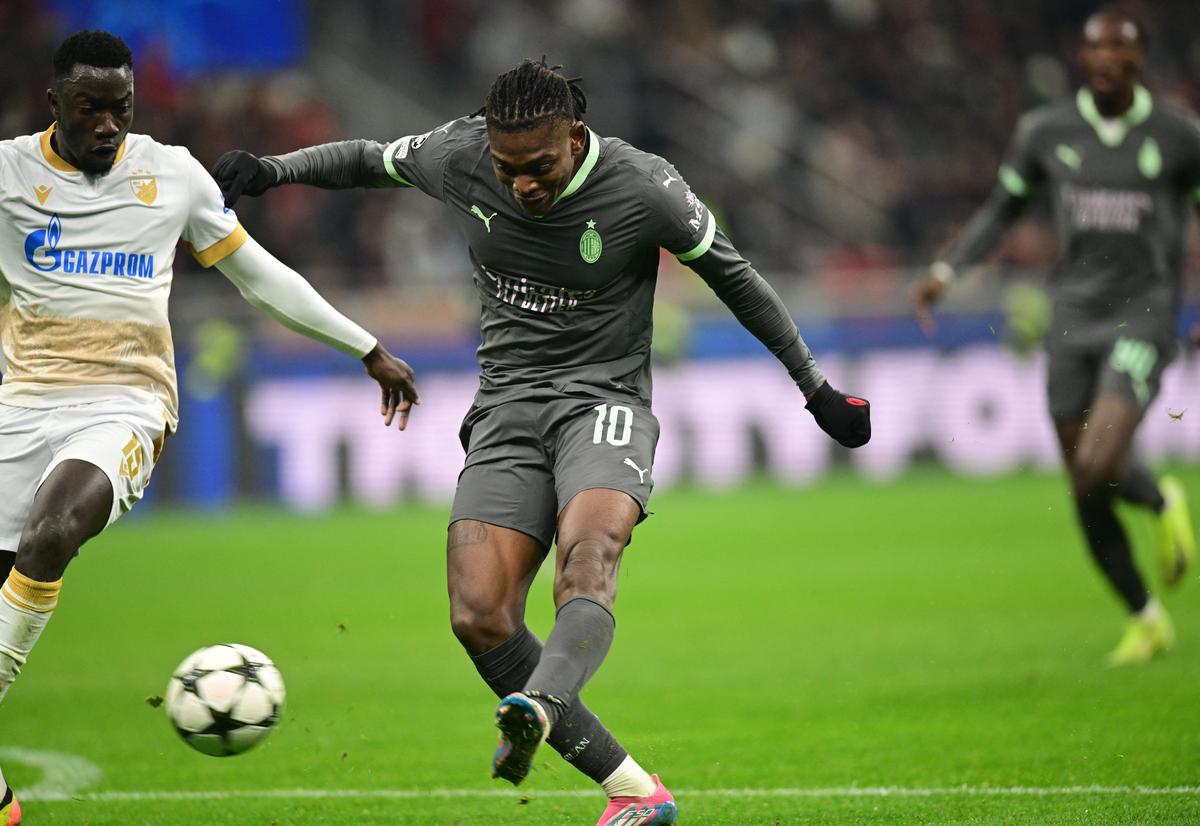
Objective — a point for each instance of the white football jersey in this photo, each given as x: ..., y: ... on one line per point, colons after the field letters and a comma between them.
x: 86, y: 267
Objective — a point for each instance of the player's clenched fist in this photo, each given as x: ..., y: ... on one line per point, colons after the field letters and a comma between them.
x: 240, y: 173
x: 846, y: 418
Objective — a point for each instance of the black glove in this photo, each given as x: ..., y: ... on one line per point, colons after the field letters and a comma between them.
x: 239, y: 173
x: 845, y: 418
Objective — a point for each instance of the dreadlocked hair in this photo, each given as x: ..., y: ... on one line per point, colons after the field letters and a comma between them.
x: 530, y: 95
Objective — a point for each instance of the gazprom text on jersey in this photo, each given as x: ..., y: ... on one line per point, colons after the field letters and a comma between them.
x: 90, y: 262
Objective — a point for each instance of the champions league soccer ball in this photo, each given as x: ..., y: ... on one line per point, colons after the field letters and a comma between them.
x: 223, y: 699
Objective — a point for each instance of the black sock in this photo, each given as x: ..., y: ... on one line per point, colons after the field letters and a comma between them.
x: 579, y: 736
x: 582, y: 635
x: 1136, y: 484
x: 1110, y: 548
x: 506, y: 667
x: 7, y: 560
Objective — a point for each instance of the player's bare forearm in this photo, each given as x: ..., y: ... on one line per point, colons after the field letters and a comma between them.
x: 395, y: 379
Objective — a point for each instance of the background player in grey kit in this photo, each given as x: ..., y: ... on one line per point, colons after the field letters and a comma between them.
x: 564, y: 229
x: 1121, y: 169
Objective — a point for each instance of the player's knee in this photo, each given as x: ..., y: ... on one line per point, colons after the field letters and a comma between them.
x: 48, y: 543
x: 481, y: 627
x: 590, y: 568
x: 1090, y: 477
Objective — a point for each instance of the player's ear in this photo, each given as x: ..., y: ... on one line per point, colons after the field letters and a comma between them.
x: 579, y: 136
x: 52, y: 98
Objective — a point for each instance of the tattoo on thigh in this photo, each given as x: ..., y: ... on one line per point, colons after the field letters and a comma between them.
x: 466, y: 532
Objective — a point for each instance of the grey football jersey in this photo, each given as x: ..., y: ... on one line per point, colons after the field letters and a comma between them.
x: 1120, y: 193
x: 566, y: 298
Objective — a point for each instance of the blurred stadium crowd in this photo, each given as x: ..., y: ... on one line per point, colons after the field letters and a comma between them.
x: 839, y: 141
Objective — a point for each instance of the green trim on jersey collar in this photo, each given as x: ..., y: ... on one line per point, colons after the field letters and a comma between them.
x: 589, y: 161
x: 1136, y: 114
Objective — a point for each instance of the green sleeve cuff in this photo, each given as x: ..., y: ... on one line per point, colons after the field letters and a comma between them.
x: 391, y: 167
x: 705, y: 242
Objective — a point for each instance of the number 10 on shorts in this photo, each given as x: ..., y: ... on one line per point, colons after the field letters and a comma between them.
x: 620, y: 423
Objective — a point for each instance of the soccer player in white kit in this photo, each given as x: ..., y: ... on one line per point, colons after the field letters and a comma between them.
x: 90, y: 216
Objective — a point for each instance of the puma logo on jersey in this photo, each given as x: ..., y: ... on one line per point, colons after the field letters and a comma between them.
x: 487, y: 219
x: 640, y: 471
x: 667, y: 182
x: 42, y: 192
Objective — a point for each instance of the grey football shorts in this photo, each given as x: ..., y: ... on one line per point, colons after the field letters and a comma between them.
x: 526, y: 460
x: 1123, y: 366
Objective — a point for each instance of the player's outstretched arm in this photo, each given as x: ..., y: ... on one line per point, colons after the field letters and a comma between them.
x: 979, y: 237
x: 281, y: 292
x: 1018, y: 177
x: 761, y: 311
x: 339, y: 165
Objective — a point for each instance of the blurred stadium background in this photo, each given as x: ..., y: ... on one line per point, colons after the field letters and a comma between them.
x: 841, y: 143
x: 945, y: 647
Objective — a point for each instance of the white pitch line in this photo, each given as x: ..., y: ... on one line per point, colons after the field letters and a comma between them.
x: 413, y: 794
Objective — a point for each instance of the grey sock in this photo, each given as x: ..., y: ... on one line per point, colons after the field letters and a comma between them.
x: 579, y: 736
x: 582, y: 635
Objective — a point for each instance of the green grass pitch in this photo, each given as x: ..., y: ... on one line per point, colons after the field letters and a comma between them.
x: 939, y: 637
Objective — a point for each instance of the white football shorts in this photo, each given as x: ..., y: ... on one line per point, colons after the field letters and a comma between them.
x: 120, y: 436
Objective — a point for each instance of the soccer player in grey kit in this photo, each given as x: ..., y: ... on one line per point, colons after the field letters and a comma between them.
x: 564, y: 229
x: 1121, y: 169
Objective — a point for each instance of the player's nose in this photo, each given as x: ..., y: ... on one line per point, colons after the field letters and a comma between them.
x: 526, y: 186
x: 107, y: 126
